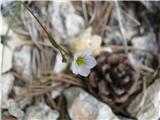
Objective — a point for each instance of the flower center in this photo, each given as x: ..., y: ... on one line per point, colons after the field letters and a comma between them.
x: 80, y: 60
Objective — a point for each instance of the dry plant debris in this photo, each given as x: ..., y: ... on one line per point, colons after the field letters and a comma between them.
x: 125, y: 37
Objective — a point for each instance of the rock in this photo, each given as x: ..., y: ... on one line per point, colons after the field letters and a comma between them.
x: 113, y: 37
x: 58, y: 88
x: 146, y: 42
x: 7, y: 81
x: 149, y: 107
x: 42, y: 65
x: 22, y: 61
x: 16, y: 41
x: 65, y: 21
x: 124, y: 118
x: 41, y: 112
x: 113, y: 33
x: 152, y: 6
x: 74, y: 24
x: 7, y: 58
x: 24, y: 101
x: 14, y: 109
x: 82, y: 106
x: 5, y: 26
x: 59, y: 65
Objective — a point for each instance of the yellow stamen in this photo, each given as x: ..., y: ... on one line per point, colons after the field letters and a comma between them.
x: 80, y: 60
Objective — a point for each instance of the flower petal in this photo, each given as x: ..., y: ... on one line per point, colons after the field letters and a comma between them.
x: 77, y: 55
x: 90, y: 61
x: 84, y: 70
x: 74, y: 68
x: 88, y: 52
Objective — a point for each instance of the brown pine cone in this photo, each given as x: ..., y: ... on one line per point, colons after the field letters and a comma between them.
x: 113, y: 80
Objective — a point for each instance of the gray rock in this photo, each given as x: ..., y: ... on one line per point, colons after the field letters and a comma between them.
x: 124, y: 118
x: 113, y: 33
x: 24, y: 101
x: 22, y: 61
x: 58, y: 87
x: 74, y: 24
x: 82, y: 106
x: 152, y: 6
x: 7, y: 81
x: 113, y: 36
x: 5, y: 26
x: 7, y: 58
x: 41, y: 112
x: 65, y: 21
x: 14, y: 109
x: 59, y: 65
x: 149, y: 107
x: 146, y: 42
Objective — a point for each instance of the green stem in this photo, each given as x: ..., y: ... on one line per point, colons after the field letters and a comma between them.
x: 51, y: 39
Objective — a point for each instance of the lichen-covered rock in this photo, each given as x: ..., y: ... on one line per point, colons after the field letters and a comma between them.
x: 7, y: 58
x: 22, y: 103
x: 58, y: 88
x: 13, y: 109
x: 7, y: 81
x: 148, y: 43
x: 149, y: 107
x: 59, y: 65
x: 22, y: 61
x: 41, y: 112
x: 82, y: 106
x: 65, y: 21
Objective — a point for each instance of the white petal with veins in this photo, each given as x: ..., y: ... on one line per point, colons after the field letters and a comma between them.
x: 88, y: 52
x: 74, y: 68
x: 83, y: 68
x: 91, y: 62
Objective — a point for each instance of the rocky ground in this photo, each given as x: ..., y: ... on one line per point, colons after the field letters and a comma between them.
x: 37, y: 85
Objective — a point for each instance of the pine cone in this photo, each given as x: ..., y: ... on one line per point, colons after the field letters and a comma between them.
x: 113, y: 80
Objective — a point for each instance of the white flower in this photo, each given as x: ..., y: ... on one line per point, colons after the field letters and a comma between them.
x: 83, y: 62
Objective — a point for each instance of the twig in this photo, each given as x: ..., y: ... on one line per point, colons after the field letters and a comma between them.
x: 43, y: 89
x: 130, y: 17
x: 72, y: 78
x: 106, y: 11
x: 143, y: 97
x: 85, y: 12
x: 146, y: 68
x: 121, y: 26
x: 33, y: 92
x: 116, y: 48
x: 62, y: 78
x: 60, y: 102
x: 93, y: 14
x: 52, y: 102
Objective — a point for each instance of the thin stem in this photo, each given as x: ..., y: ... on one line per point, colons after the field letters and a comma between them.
x: 51, y: 39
